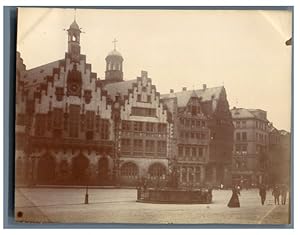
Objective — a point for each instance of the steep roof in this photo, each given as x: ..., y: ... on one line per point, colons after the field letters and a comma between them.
x: 36, y: 76
x: 242, y: 113
x: 237, y: 113
x: 284, y: 132
x: 184, y: 96
x: 74, y: 25
x: 119, y: 88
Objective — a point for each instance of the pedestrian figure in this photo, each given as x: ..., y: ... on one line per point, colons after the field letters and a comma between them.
x: 283, y: 193
x: 234, y: 200
x: 276, y: 194
x: 262, y: 193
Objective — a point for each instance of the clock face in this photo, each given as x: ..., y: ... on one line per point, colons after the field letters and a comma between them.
x: 74, y: 87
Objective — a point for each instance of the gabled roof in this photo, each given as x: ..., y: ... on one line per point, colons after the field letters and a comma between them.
x: 119, y: 88
x: 284, y: 132
x: 242, y: 113
x: 183, y: 97
x: 274, y: 130
x: 237, y: 113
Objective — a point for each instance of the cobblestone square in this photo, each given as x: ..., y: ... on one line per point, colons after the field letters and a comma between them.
x: 66, y: 205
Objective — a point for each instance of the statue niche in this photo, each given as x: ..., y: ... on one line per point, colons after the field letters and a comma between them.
x: 74, y: 82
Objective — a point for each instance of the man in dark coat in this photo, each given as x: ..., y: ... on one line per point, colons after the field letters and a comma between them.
x: 276, y: 194
x: 262, y: 193
x: 283, y: 193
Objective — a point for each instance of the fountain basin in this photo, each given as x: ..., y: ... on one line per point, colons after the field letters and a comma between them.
x: 171, y: 195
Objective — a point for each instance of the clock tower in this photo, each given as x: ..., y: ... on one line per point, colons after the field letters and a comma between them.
x: 74, y: 42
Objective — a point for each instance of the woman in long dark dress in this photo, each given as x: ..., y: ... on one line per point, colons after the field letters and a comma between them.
x: 234, y: 200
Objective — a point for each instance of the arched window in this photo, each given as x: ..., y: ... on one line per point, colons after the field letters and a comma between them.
x: 157, y: 170
x: 129, y: 169
x: 46, y: 169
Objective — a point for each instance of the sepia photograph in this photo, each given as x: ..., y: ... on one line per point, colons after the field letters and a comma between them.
x: 154, y: 116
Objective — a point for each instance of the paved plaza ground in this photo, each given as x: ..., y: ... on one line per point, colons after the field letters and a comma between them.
x: 66, y: 205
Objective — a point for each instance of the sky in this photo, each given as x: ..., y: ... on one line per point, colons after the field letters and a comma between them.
x: 244, y: 50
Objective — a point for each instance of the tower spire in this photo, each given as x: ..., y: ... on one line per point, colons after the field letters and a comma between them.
x: 74, y: 14
x: 115, y: 43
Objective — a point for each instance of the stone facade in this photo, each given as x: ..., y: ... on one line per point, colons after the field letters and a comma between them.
x: 74, y: 128
x: 69, y: 127
x: 279, y: 156
x: 142, y: 130
x: 202, y: 135
x: 251, y: 146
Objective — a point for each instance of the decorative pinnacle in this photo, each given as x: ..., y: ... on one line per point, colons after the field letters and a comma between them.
x: 115, y: 43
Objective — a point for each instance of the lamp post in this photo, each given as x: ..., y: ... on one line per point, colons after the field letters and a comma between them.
x: 86, y: 198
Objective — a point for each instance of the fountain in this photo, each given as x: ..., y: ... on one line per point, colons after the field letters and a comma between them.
x: 172, y: 193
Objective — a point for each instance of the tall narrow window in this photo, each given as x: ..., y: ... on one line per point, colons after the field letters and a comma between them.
x: 194, y: 152
x: 97, y: 123
x: 40, y: 124
x: 161, y: 146
x: 90, y: 115
x: 125, y: 146
x: 187, y: 151
x: 200, y: 152
x: 74, y: 120
x: 238, y: 136
x: 57, y: 118
x: 180, y: 151
x: 244, y: 136
x: 150, y: 146
x: 104, y: 129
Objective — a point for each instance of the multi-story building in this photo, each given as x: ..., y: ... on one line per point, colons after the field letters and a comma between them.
x: 143, y: 128
x: 279, y: 156
x: 74, y: 128
x: 82, y: 130
x: 70, y: 137
x: 203, y: 134
x: 250, y: 151
x: 21, y: 127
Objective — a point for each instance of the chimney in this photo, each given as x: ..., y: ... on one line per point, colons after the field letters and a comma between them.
x: 183, y: 88
x: 204, y: 86
x: 171, y: 91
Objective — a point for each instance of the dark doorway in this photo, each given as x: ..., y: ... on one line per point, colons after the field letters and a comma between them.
x: 103, y: 171
x: 80, y: 165
x: 46, y: 170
